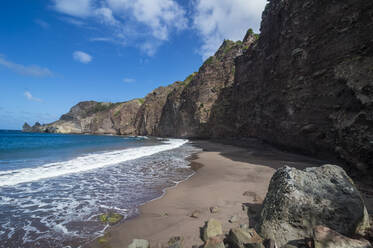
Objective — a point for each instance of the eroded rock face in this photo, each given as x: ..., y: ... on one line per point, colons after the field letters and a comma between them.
x: 307, y: 83
x: 187, y: 111
x: 149, y: 115
x: 94, y: 117
x: 299, y: 200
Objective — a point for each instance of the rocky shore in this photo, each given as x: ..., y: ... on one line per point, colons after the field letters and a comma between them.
x: 252, y: 197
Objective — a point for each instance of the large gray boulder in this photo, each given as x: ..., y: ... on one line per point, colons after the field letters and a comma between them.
x: 299, y: 200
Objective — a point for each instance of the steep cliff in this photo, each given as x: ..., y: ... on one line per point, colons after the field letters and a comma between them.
x: 94, y: 117
x: 307, y: 84
x: 149, y: 115
x: 187, y: 110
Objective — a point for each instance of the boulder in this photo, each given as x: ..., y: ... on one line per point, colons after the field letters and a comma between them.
x: 299, y: 200
x: 245, y: 238
x: 324, y: 237
x: 212, y: 229
x: 175, y: 242
x: 139, y: 243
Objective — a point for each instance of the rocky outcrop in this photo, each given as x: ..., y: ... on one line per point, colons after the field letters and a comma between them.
x: 187, y: 110
x: 306, y: 84
x: 149, y: 115
x: 95, y: 118
x: 297, y: 201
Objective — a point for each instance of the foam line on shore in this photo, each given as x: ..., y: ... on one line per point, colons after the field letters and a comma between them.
x: 84, y: 163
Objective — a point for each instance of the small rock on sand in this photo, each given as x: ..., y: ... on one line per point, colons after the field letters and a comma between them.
x: 215, y: 242
x: 233, y: 219
x: 245, y: 238
x: 196, y: 214
x: 176, y: 242
x: 139, y: 243
x: 324, y: 237
x: 212, y: 229
x: 214, y: 210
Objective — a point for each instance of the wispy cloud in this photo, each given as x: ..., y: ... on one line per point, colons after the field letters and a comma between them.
x: 82, y: 57
x: 30, y: 70
x: 141, y: 23
x: 42, y: 23
x: 216, y: 20
x: 30, y: 97
x: 73, y: 21
x: 129, y: 80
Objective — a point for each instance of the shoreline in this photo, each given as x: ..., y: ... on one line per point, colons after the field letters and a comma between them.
x: 225, y: 176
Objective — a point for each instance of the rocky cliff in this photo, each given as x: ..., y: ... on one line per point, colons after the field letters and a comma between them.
x: 305, y: 84
x: 187, y: 111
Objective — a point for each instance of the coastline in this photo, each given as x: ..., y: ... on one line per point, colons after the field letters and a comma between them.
x: 225, y: 176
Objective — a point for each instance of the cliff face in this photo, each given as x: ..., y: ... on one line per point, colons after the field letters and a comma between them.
x: 187, y: 110
x: 307, y: 83
x: 149, y: 115
x: 94, y: 117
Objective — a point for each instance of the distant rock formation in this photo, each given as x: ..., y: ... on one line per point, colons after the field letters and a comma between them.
x: 94, y: 118
x: 305, y: 84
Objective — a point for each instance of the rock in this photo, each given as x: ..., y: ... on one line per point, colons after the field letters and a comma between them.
x: 139, y: 243
x: 212, y: 229
x: 214, y: 242
x: 196, y: 214
x: 96, y: 118
x: 270, y: 243
x: 111, y: 218
x: 175, y: 242
x: 214, y: 210
x: 233, y: 219
x: 244, y: 238
x: 324, y: 237
x: 299, y: 200
x: 244, y: 226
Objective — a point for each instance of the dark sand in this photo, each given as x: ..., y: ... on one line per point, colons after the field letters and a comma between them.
x: 224, y: 174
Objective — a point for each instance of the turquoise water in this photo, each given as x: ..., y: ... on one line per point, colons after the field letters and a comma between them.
x: 53, y: 186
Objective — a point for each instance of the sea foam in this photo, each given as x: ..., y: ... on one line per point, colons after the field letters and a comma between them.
x: 84, y: 163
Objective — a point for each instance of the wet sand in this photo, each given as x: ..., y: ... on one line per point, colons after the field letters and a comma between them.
x: 226, y: 177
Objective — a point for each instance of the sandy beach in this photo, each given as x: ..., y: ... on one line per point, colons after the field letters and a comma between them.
x: 227, y: 177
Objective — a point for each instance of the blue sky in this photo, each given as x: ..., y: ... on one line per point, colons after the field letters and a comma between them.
x: 56, y: 53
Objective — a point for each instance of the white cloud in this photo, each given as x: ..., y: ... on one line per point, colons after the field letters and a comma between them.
x: 129, y: 80
x: 30, y: 97
x: 82, y: 57
x: 216, y: 20
x: 31, y: 70
x: 105, y: 15
x: 42, y: 23
x: 160, y: 15
x: 73, y: 21
x: 129, y: 22
x: 77, y: 8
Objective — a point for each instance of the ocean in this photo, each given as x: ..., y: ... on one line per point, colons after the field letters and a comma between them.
x: 54, y: 186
